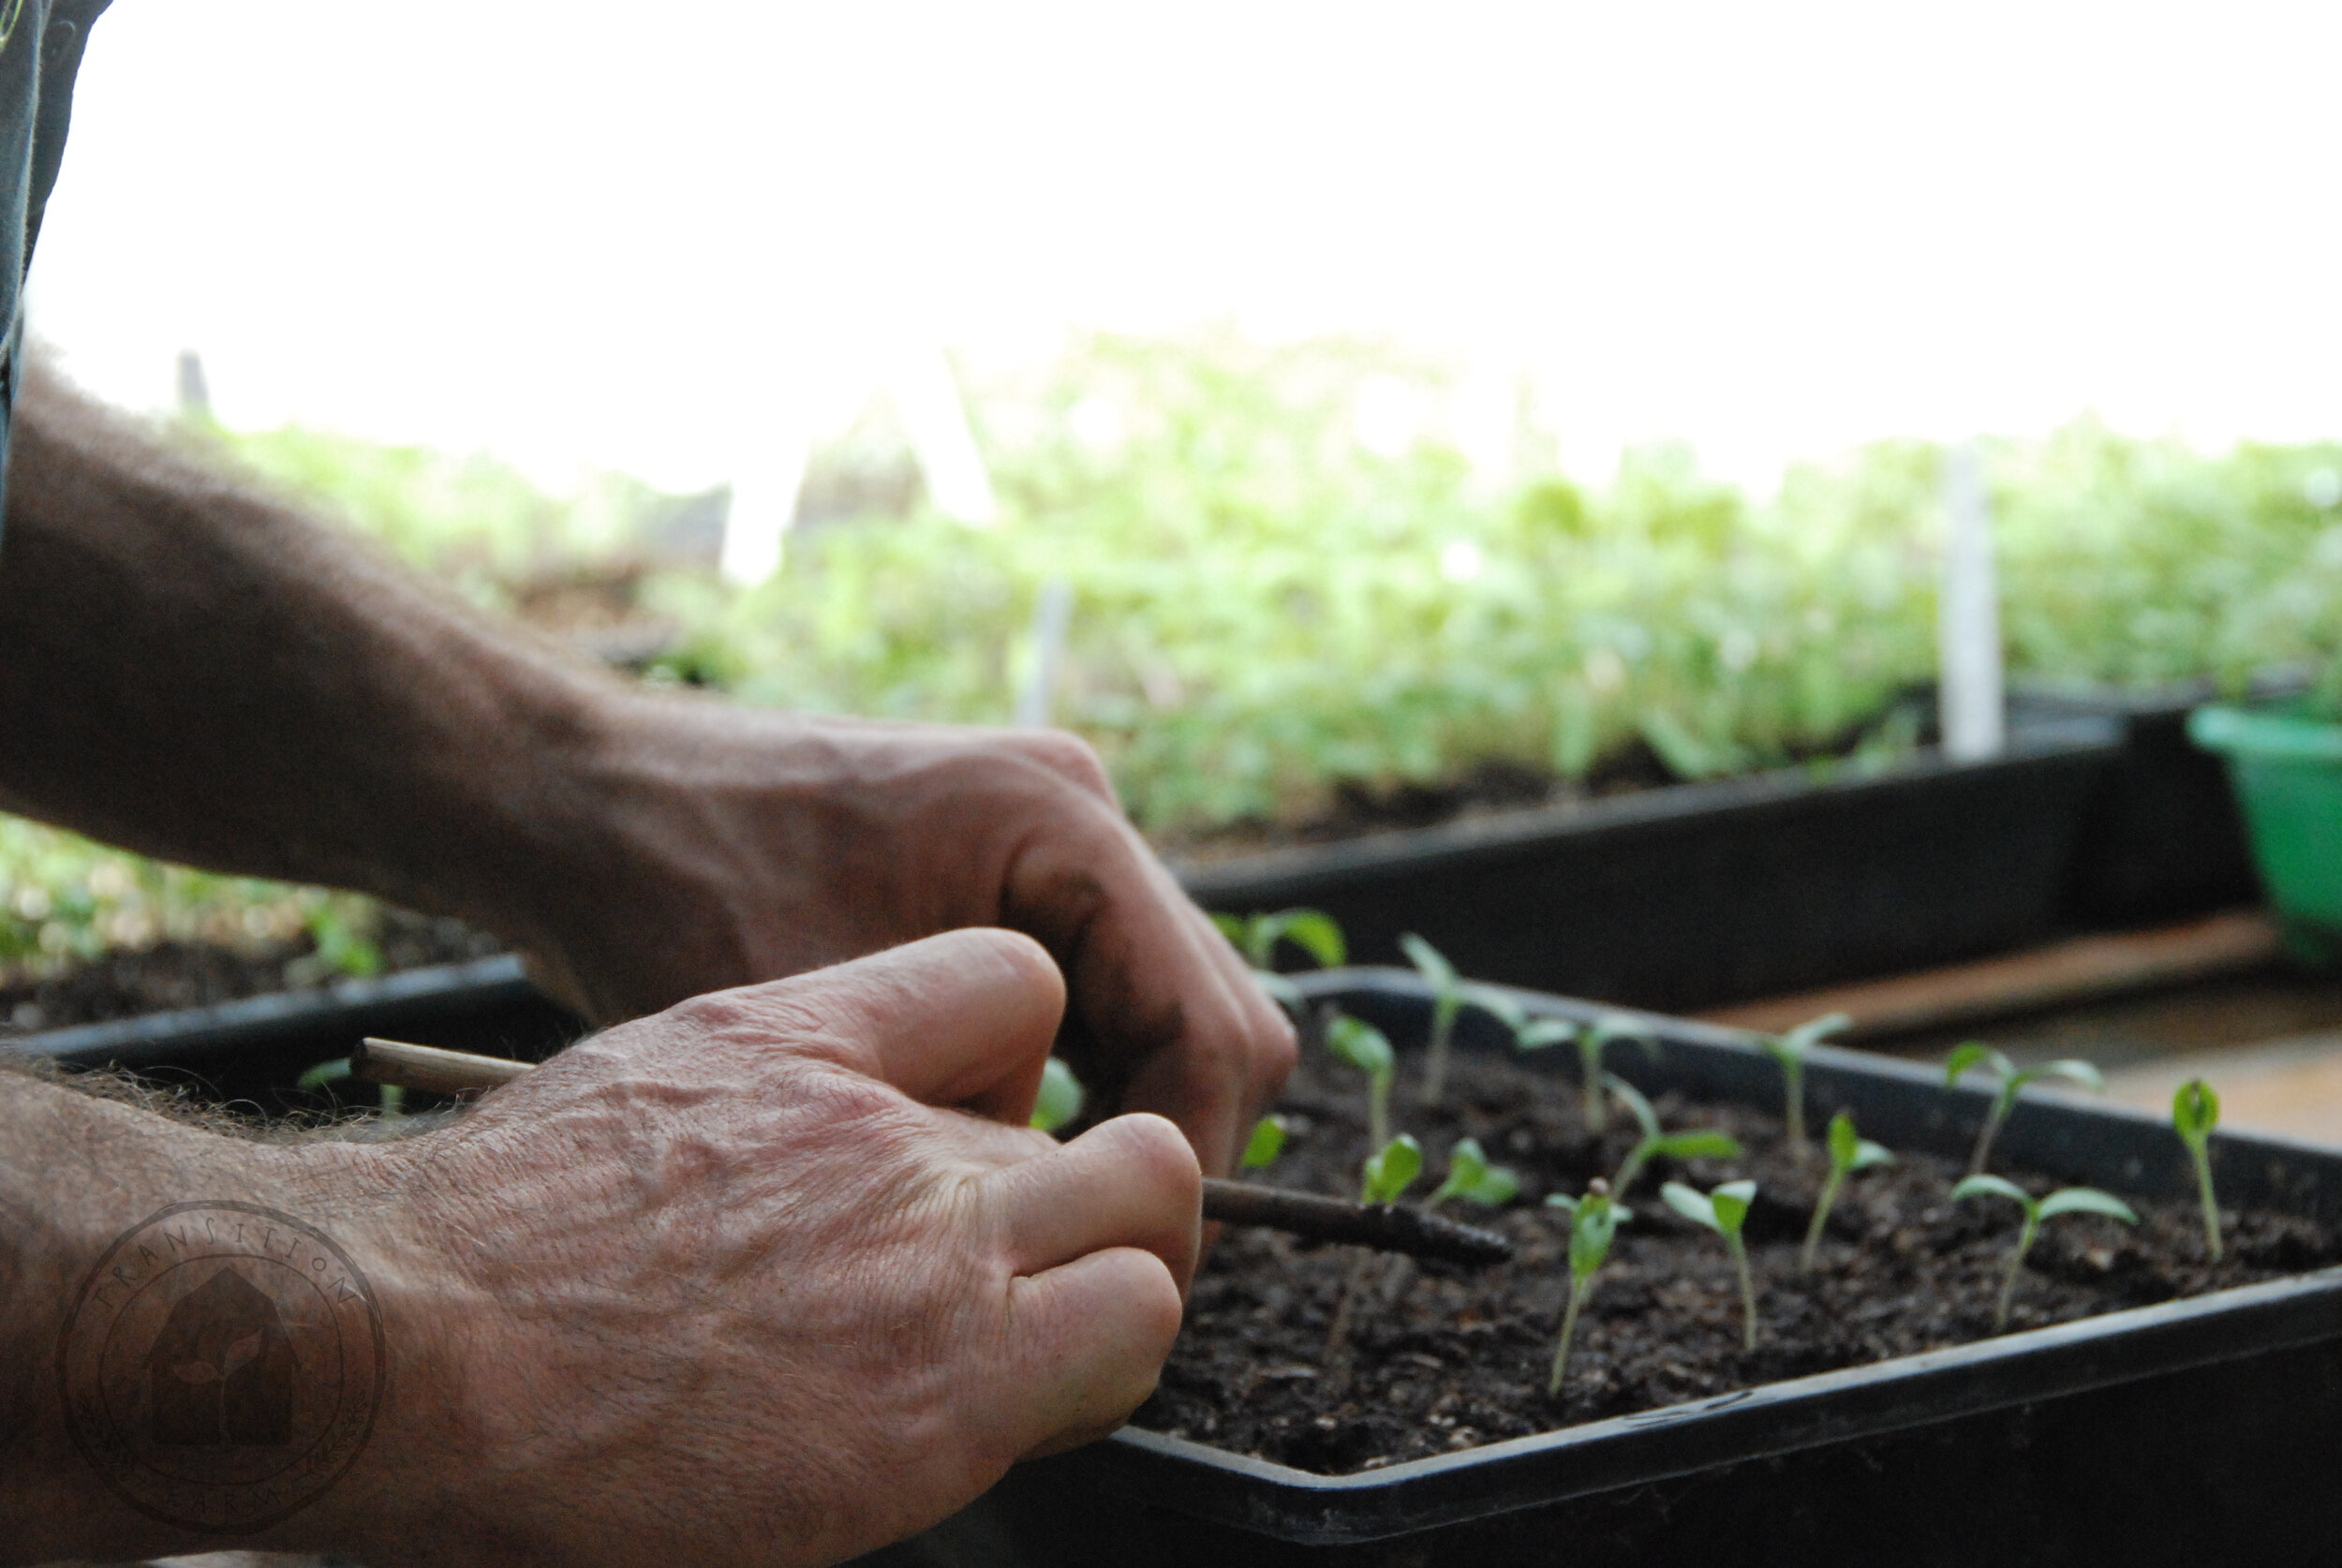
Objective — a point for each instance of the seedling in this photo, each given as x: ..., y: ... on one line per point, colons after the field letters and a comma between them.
x: 1366, y: 1048
x: 2009, y: 1080
x: 2195, y: 1112
x: 1593, y: 1220
x: 1724, y: 1211
x: 1267, y: 1142
x: 1060, y: 1097
x: 1698, y: 1143
x: 1389, y: 1171
x: 1471, y: 1177
x: 1447, y: 995
x: 393, y: 1097
x: 2066, y: 1200
x: 1848, y: 1153
x: 1789, y: 1051
x: 1256, y: 936
x: 1534, y: 1034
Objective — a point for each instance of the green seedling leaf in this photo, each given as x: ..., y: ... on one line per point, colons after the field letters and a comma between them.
x: 1359, y: 1043
x: 1537, y: 1033
x: 1280, y: 990
x: 1788, y: 1050
x: 2009, y: 1080
x: 1256, y: 936
x: 1499, y: 1005
x: 1848, y: 1152
x: 1391, y: 1171
x: 2086, y: 1200
x: 1592, y: 1042
x: 1632, y: 1097
x: 1699, y: 1144
x: 1731, y: 1202
x: 1471, y: 1177
x: 1317, y: 934
x: 2080, y: 1072
x: 1991, y: 1187
x: 1366, y: 1048
x: 1725, y: 1210
x: 1430, y: 963
x: 1267, y: 1142
x: 1814, y: 1031
x: 2066, y: 1200
x: 1447, y: 998
x: 1692, y: 1204
x: 1060, y: 1097
x: 324, y: 1073
x: 1972, y: 1053
x: 2195, y: 1112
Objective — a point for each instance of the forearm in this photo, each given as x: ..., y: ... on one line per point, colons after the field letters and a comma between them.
x: 110, y: 1218
x: 193, y: 669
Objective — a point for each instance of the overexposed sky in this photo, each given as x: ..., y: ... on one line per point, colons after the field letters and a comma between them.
x: 660, y: 238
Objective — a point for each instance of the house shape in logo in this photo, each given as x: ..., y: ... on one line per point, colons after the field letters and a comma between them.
x: 221, y: 1372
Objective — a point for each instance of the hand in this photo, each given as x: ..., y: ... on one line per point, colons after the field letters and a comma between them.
x: 711, y: 846
x: 726, y: 1284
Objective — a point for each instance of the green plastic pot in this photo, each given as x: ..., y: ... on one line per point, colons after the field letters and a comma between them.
x: 2285, y: 766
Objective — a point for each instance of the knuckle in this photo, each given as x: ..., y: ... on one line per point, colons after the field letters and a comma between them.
x: 1162, y: 1153
x: 1071, y: 757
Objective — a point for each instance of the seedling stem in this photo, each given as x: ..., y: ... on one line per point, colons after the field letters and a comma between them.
x: 2008, y: 1080
x: 1446, y: 1002
x: 1698, y: 1143
x: 1848, y: 1153
x: 2195, y: 1112
x: 1365, y: 1047
x: 2066, y: 1200
x: 1724, y: 1211
x: 1593, y: 1220
x: 1789, y: 1050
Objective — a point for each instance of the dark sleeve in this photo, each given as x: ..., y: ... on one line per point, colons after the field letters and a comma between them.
x: 61, y: 46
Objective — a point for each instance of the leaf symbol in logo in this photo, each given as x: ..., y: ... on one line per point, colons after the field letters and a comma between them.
x: 238, y: 1354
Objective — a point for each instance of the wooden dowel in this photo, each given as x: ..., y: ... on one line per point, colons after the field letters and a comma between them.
x: 1388, y: 1228
x: 428, y: 1068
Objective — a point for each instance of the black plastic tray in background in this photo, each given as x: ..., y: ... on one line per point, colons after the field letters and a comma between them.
x: 2198, y: 1432
x: 1699, y: 895
x: 252, y: 1050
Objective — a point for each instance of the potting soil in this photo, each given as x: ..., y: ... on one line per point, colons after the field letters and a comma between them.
x: 1439, y: 1358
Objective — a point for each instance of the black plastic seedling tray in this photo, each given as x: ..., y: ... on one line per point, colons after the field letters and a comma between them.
x: 1699, y: 895
x: 252, y: 1050
x: 2202, y: 1431
x: 2198, y: 1432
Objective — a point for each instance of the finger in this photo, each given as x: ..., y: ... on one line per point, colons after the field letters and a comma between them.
x: 1088, y: 1339
x: 1129, y: 1182
x: 1170, y: 1006
x: 965, y: 1019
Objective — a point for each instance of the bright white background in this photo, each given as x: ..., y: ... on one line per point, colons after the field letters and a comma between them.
x: 663, y: 238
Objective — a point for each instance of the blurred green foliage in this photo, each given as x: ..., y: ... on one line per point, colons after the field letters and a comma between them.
x: 1266, y: 609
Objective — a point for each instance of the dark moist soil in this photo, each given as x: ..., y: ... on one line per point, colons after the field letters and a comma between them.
x: 1441, y: 1358
x: 173, y: 975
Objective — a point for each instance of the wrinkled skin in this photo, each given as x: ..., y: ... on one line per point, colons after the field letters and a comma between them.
x: 773, y: 1277
x: 765, y: 1263
x: 739, y: 845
